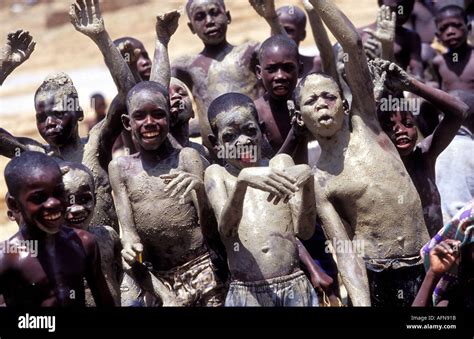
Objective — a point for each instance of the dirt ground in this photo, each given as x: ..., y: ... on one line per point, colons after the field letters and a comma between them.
x: 64, y: 49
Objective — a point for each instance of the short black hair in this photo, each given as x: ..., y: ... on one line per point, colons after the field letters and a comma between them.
x: 135, y: 42
x: 190, y: 2
x: 295, y: 12
x: 22, y: 166
x: 149, y: 86
x: 226, y: 102
x: 299, y: 87
x: 279, y: 40
x: 453, y: 10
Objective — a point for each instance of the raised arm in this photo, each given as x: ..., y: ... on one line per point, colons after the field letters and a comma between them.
x: 17, y: 50
x: 166, y: 25
x: 266, y: 9
x: 357, y: 71
x: 350, y: 265
x: 455, y: 111
x: 385, y: 32
x: 86, y: 18
x: 322, y: 41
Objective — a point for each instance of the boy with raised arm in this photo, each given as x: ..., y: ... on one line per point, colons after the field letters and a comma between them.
x: 386, y: 219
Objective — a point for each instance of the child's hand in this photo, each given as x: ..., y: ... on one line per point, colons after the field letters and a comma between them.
x: 86, y: 17
x: 129, y: 53
x: 264, y: 8
x: 443, y: 256
x: 396, y: 78
x: 385, y: 31
x: 132, y: 252
x: 166, y: 26
x: 372, y: 47
x: 379, y: 77
x: 321, y: 282
x: 183, y: 183
x: 17, y: 50
x: 307, y: 5
x: 280, y: 185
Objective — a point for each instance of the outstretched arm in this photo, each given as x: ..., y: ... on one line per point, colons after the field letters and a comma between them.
x: 350, y: 265
x: 166, y: 25
x: 322, y: 41
x: 11, y: 146
x: 357, y: 71
x: 16, y: 51
x: 86, y: 18
x: 266, y: 9
x: 455, y: 111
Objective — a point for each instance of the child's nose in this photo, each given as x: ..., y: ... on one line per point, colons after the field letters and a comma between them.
x: 52, y: 203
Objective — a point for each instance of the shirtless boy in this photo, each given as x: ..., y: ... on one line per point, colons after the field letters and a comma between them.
x: 399, y: 124
x: 386, y: 217
x: 261, y: 207
x: 160, y: 200
x: 53, y: 274
x: 456, y: 67
x: 220, y: 67
x: 80, y: 199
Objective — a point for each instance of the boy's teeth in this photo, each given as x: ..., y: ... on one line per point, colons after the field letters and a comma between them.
x: 151, y: 134
x: 54, y: 216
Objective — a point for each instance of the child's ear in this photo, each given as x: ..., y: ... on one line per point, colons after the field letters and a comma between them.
x: 190, y: 25
x: 126, y: 122
x: 229, y: 18
x: 12, y: 204
x: 258, y: 72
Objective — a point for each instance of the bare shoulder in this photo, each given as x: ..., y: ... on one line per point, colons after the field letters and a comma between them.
x: 124, y: 162
x: 183, y: 62
x: 214, y: 173
x: 88, y: 240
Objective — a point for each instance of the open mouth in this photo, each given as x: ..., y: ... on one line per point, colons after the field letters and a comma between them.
x: 53, y: 132
x: 403, y: 142
x: 150, y: 135
x: 51, y: 217
x: 280, y: 89
x: 212, y: 32
x: 325, y: 119
x: 77, y: 220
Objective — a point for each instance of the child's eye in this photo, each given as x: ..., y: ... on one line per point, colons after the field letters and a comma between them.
x: 59, y: 114
x: 227, y: 137
x: 251, y: 131
x: 199, y: 16
x: 310, y: 101
x: 40, y: 117
x: 38, y: 198
x: 84, y: 199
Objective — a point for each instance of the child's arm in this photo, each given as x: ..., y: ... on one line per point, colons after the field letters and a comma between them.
x: 16, y: 51
x: 385, y: 32
x: 266, y: 9
x: 86, y: 18
x: 132, y: 246
x: 11, y: 146
x: 350, y: 265
x: 455, y: 111
x: 322, y: 41
x: 228, y: 206
x: 442, y: 257
x: 357, y: 71
x: 94, y: 275
x: 166, y: 25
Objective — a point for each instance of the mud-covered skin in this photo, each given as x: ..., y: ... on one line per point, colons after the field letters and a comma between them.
x: 232, y: 70
x: 380, y: 206
x: 264, y: 245
x: 171, y: 234
x: 17, y: 50
x: 79, y: 189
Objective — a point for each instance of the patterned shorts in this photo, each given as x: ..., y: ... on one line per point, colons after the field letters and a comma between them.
x: 290, y: 290
x: 195, y: 283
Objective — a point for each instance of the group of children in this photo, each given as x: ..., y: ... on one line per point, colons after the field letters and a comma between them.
x: 244, y: 221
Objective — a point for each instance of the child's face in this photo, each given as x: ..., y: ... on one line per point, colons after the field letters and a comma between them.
x: 56, y: 117
x: 148, y: 119
x: 452, y: 31
x: 79, y: 198
x: 293, y: 28
x: 181, y: 107
x: 322, y: 108
x: 209, y: 20
x: 402, y: 8
x: 239, y: 137
x: 100, y: 107
x: 41, y: 200
x: 400, y: 127
x: 279, y: 71
x: 143, y: 62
